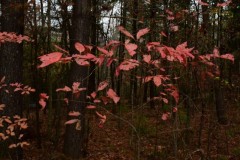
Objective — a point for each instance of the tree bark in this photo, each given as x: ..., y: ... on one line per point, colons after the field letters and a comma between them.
x: 11, y: 57
x: 75, y: 140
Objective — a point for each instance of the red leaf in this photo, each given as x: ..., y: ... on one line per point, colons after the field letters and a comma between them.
x: 163, y: 34
x: 101, y: 116
x: 170, y: 18
x: 165, y: 116
x: 65, y: 89
x: 130, y: 47
x: 142, y: 32
x: 103, y: 119
x: 12, y: 146
x: 97, y: 101
x: 161, y: 51
x: 102, y: 85
x: 79, y: 47
x: 147, y: 58
x: 175, y: 95
x: 49, y: 59
x: 228, y: 56
x: 157, y: 80
x: 111, y: 94
x: 109, y: 61
x: 113, y: 42
x: 124, y: 31
x: 174, y: 28
x: 128, y: 64
x: 3, y: 79
x: 82, y: 62
x: 93, y: 94
x: 104, y: 51
x: 61, y: 49
x: 43, y: 96
x: 165, y: 100
x: 175, y: 109
x: 202, y: 3
x: 91, y: 107
x: 42, y: 103
x: 147, y: 79
x: 100, y: 59
x: 74, y: 113
x: 72, y: 121
x: 224, y: 4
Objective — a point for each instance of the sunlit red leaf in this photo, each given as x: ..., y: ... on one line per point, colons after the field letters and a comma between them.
x: 103, y: 119
x: 93, y: 94
x: 202, y: 3
x: 174, y: 28
x: 157, y: 80
x: 43, y: 96
x: 3, y: 79
x: 142, y: 32
x: 42, y: 103
x: 82, y: 62
x: 22, y: 144
x: 104, y: 51
x: 147, y: 58
x: 79, y: 47
x: 165, y: 100
x: 71, y: 121
x: 163, y: 34
x: 175, y: 95
x: 128, y: 64
x: 49, y: 59
x: 102, y: 85
x: 61, y: 49
x: 74, y: 113
x: 12, y: 146
x: 224, y: 4
x: 65, y: 89
x: 131, y: 47
x: 165, y: 116
x: 91, y: 107
x: 8, y: 121
x: 147, y: 79
x: 111, y: 94
x: 124, y: 31
x: 228, y: 56
x: 97, y: 101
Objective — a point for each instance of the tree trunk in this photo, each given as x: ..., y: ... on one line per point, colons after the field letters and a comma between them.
x: 11, y: 57
x: 75, y: 140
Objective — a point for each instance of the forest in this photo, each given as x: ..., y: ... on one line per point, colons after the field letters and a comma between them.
x: 119, y: 79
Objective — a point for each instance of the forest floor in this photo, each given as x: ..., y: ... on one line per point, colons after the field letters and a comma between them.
x: 141, y: 133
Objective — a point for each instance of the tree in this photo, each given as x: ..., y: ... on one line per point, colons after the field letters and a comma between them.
x: 12, y: 20
x: 74, y: 143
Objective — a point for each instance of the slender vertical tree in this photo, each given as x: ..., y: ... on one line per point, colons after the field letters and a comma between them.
x: 75, y: 140
x: 12, y: 20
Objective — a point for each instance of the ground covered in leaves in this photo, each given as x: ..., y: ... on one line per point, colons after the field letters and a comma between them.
x: 155, y: 139
x: 140, y: 133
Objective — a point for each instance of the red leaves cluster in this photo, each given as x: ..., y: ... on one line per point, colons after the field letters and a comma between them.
x: 181, y: 55
x: 12, y: 37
